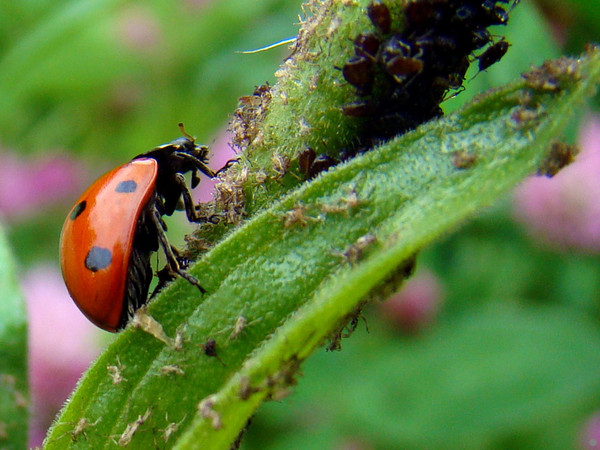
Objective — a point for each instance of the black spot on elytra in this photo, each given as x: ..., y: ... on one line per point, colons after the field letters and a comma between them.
x: 98, y: 258
x: 126, y: 187
x: 77, y: 210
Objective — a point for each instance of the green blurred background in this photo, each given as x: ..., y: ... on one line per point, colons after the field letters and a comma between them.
x: 501, y: 348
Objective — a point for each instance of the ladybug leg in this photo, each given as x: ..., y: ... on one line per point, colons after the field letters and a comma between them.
x: 165, y: 276
x: 188, y: 202
x: 172, y: 261
x: 201, y: 165
x: 227, y: 165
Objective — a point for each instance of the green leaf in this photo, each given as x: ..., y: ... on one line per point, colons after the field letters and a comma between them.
x: 13, y: 355
x: 500, y: 376
x: 289, y: 278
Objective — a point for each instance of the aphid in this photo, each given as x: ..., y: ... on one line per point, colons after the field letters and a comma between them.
x: 171, y: 428
x: 297, y: 216
x: 524, y: 116
x: 311, y: 165
x: 354, y: 252
x: 281, y: 164
x: 493, y: 54
x: 419, y: 14
x: 366, y: 44
x: 171, y: 369
x: 345, y: 204
x: 246, y: 390
x: 115, y: 373
x: 78, y: 430
x: 480, y: 37
x: 561, y: 155
x: 358, y: 71
x: 206, y: 409
x: 401, y: 66
x: 462, y: 159
x: 81, y: 426
x: 359, y: 109
x: 132, y: 428
x: 145, y: 322
x: 380, y: 15
x: 239, y: 326
x: 210, y: 349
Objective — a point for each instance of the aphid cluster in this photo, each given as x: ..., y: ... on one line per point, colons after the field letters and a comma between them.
x: 401, y: 78
x: 553, y: 75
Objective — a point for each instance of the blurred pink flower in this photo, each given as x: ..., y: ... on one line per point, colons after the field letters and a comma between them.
x: 124, y: 97
x: 416, y: 305
x: 62, y: 343
x: 565, y: 210
x: 590, y: 438
x: 220, y: 153
x: 139, y: 29
x: 26, y: 185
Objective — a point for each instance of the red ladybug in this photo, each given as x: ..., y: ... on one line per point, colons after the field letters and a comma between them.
x: 109, y: 235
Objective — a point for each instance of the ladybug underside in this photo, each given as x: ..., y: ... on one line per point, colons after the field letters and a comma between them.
x: 139, y: 275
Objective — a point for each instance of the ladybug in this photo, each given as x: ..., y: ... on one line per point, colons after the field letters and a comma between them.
x: 109, y: 235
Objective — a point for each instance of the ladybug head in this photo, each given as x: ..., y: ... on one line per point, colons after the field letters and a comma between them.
x: 185, y: 156
x: 178, y: 157
x: 181, y: 156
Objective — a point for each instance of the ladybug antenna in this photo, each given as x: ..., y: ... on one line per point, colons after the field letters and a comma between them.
x: 182, y: 129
